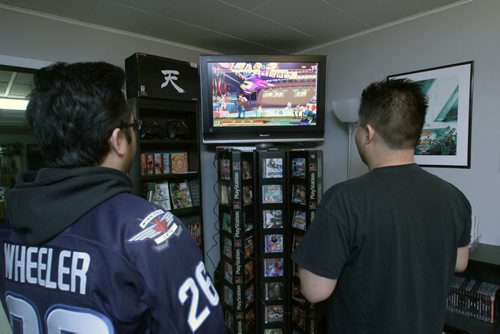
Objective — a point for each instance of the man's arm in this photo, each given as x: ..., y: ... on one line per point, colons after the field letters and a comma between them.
x: 315, y: 288
x: 462, y: 259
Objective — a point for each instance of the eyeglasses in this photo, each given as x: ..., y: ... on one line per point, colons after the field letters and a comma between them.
x: 136, y: 125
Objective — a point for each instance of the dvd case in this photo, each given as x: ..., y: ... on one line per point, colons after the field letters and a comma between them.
x: 272, y: 218
x: 181, y: 195
x: 272, y: 193
x: 225, y: 169
x: 274, y: 313
x: 273, y: 243
x: 273, y: 267
x: 272, y: 168
x: 299, y: 220
x: 273, y: 291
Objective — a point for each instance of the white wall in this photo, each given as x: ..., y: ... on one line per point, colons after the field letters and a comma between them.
x: 461, y: 33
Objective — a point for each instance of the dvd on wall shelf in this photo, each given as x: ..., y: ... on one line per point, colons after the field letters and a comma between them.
x: 159, y: 193
x: 181, y: 195
x: 164, y: 163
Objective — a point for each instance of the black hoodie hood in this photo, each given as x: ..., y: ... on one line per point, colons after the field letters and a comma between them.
x: 44, y: 203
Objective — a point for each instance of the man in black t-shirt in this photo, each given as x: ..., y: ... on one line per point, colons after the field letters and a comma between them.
x: 384, y: 246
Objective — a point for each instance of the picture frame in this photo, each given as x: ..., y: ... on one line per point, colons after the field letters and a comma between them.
x: 446, y: 135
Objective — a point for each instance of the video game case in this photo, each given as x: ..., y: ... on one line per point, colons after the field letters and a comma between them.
x: 147, y: 163
x: 158, y: 163
x: 227, y: 295
x: 299, y: 194
x: 225, y: 221
x: 272, y: 193
x: 144, y: 166
x: 194, y: 225
x: 227, y: 247
x: 247, y: 195
x: 247, y: 169
x: 194, y: 187
x: 272, y: 219
x: 272, y: 167
x: 248, y: 247
x: 158, y: 193
x: 273, y: 267
x: 224, y: 194
x: 166, y: 163
x: 225, y: 169
x: 298, y: 167
x: 180, y: 195
x: 299, y: 220
x: 274, y: 314
x: 273, y: 291
x: 273, y: 243
x: 179, y: 162
x: 249, y: 296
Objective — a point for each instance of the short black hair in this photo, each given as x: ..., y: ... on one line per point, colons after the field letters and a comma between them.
x: 73, y: 110
x: 396, y: 108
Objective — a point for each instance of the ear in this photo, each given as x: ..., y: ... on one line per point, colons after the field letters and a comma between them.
x: 117, y: 142
x: 369, y: 134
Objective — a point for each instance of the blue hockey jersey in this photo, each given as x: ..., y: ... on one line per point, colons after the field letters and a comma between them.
x: 124, y: 266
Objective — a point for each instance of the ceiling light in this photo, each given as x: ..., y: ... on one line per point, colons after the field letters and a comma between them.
x: 13, y: 104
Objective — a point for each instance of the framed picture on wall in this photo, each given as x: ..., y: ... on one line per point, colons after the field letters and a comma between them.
x: 445, y: 138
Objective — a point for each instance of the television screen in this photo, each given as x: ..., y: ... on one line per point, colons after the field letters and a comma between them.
x: 262, y: 98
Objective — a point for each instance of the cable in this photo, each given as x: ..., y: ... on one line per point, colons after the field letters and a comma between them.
x: 215, y: 236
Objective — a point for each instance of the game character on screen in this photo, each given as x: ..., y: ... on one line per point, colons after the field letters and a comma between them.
x: 241, y: 102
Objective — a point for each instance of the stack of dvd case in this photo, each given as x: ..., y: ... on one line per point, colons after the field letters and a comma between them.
x: 237, y: 232
x: 267, y: 199
x: 273, y: 238
x: 306, y: 183
x: 474, y: 298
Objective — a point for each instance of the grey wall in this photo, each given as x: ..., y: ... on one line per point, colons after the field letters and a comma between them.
x: 458, y: 34
x: 36, y: 37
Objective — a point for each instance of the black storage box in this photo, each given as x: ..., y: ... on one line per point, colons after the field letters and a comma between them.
x: 163, y: 78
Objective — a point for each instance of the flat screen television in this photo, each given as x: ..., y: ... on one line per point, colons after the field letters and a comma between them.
x: 262, y: 99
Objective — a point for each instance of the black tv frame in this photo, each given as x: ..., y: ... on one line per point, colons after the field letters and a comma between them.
x: 289, y: 135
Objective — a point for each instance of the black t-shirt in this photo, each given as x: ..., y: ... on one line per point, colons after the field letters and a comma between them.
x: 390, y: 238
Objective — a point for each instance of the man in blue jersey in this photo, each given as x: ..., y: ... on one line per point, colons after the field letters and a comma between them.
x: 384, y: 246
x: 79, y: 252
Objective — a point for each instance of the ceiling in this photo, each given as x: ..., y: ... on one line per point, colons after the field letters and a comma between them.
x: 15, y: 84
x: 237, y: 26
